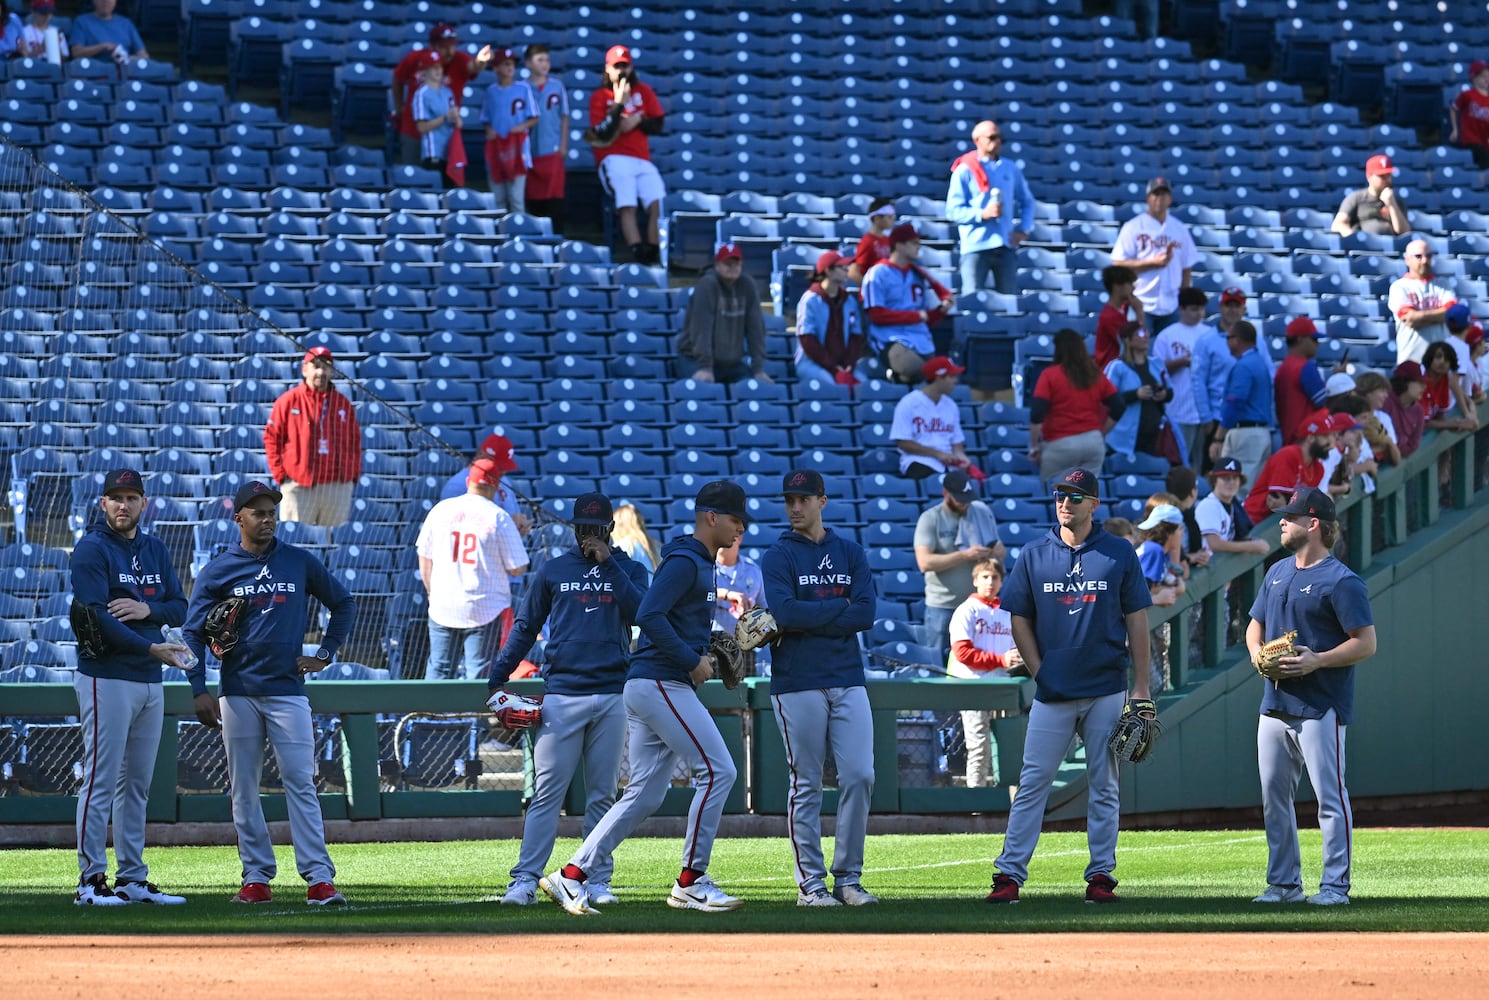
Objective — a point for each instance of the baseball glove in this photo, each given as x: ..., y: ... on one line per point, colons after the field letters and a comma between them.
x: 224, y: 621
x: 514, y: 711
x: 756, y: 627
x: 728, y: 659
x: 1375, y: 433
x: 1271, y: 652
x: 89, y: 633
x: 1137, y: 730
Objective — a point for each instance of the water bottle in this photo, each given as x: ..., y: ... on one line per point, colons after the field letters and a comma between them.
x: 995, y: 198
x: 172, y: 633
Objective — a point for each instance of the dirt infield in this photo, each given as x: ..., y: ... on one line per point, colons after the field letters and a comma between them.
x: 1213, y: 966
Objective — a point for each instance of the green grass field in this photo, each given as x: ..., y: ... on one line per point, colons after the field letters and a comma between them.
x: 1404, y: 880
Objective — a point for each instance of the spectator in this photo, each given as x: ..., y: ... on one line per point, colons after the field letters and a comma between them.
x: 873, y: 246
x: 987, y: 195
x: 460, y: 68
x: 1444, y: 401
x: 950, y: 538
x: 1478, y: 350
x: 1160, y: 250
x: 499, y: 449
x: 631, y: 536
x: 829, y: 325
x: 1223, y: 521
x: 1183, y: 485
x: 738, y: 586
x: 1174, y: 349
x: 1232, y: 311
x: 1244, y: 430
x: 1458, y: 323
x: 32, y: 39
x: 1074, y: 407
x: 1470, y: 115
x: 468, y: 549
x: 927, y: 425
x: 1337, y: 386
x: 105, y: 33
x: 550, y: 137
x: 1343, y: 462
x: 1375, y: 208
x: 982, y: 648
x: 1293, y: 467
x: 437, y: 120
x: 1121, y: 527
x: 1419, y: 304
x: 1122, y: 307
x: 1298, y: 387
x: 1380, y: 428
x: 897, y: 295
x: 1143, y: 386
x: 723, y: 320
x: 622, y: 114
x: 1404, y: 406
x: 1165, y: 586
x: 314, y: 446
x: 10, y: 37
x: 510, y: 112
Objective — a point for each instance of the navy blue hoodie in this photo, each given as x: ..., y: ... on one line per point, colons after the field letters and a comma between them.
x: 105, y: 566
x: 676, y: 615
x: 278, y: 586
x: 1078, y: 599
x: 589, y: 608
x: 822, y: 596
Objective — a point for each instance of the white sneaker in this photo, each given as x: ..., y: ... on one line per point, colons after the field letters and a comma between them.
x: 1328, y: 897
x: 854, y: 894
x: 1280, y: 894
x: 96, y: 892
x: 702, y: 895
x: 521, y: 894
x: 817, y: 897
x: 569, y: 893
x: 145, y: 892
x: 600, y: 894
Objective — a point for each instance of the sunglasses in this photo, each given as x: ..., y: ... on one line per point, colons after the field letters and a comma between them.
x: 1074, y: 499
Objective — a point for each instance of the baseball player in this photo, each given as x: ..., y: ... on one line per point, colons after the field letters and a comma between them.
x: 258, y: 639
x: 981, y: 647
x: 589, y: 599
x: 1077, y: 604
x: 666, y: 718
x: 1304, y: 714
x: 820, y: 589
x: 124, y: 589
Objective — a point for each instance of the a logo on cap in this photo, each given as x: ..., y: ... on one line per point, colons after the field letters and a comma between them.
x: 797, y: 479
x: 591, y: 509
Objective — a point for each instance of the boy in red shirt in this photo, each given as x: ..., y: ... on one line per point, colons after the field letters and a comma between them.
x: 1122, y: 307
x: 1470, y: 114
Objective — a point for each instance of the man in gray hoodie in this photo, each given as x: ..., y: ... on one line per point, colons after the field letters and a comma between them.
x: 723, y: 318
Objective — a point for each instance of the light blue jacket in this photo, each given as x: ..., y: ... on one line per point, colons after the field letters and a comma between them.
x: 965, y: 201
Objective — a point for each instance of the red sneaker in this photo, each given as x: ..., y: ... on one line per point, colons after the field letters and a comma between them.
x: 1005, y: 890
x: 253, y: 892
x: 1099, y: 890
x: 324, y: 894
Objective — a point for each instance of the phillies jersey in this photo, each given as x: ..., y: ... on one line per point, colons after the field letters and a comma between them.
x: 989, y: 629
x: 1412, y: 294
x: 642, y: 101
x: 901, y: 290
x: 553, y: 117
x: 936, y: 425
x: 460, y: 69
x: 507, y: 107
x: 1142, y: 237
x: 472, y: 544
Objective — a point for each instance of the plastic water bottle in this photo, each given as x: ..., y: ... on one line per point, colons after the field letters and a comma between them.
x: 172, y: 633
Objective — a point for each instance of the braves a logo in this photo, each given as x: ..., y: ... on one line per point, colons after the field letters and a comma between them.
x: 826, y: 563
x: 264, y: 574
x: 797, y: 479
x: 593, y: 572
x: 1306, y: 590
x: 134, y: 564
x: 1075, y: 571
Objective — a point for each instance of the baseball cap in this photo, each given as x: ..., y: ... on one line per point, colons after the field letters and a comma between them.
x: 722, y: 497
x: 1311, y: 501
x: 959, y: 485
x: 1159, y: 184
x: 1164, y: 513
x: 48, y: 6
x: 832, y: 259
x: 443, y: 31
x: 1233, y: 294
x: 803, y: 483
x: 1457, y: 316
x: 1317, y: 422
x: 1473, y: 335
x: 1080, y: 480
x: 903, y: 233
x: 938, y: 366
x: 251, y: 491
x: 728, y: 251
x: 1302, y: 327
x: 593, y: 508
x: 318, y: 351
x: 1474, y: 69
x: 484, y: 470
x: 1411, y: 370
x: 1229, y: 467
x: 1338, y: 384
x: 123, y: 479
x: 499, y: 450
x: 502, y: 55
x: 618, y: 54
x: 1341, y: 422
x: 1379, y: 164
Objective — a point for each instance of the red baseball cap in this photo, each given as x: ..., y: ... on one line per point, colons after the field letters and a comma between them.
x: 1478, y: 66
x: 428, y: 59
x: 502, y: 55
x: 442, y: 32
x: 938, y: 366
x: 1302, y: 327
x: 903, y: 233
x: 832, y: 259
x: 1342, y: 422
x: 1473, y: 335
x: 728, y: 251
x: 1379, y: 164
x: 618, y: 54
x: 1233, y: 294
x: 484, y: 470
x: 1410, y: 370
x: 318, y: 351
x: 499, y: 450
x: 1317, y: 422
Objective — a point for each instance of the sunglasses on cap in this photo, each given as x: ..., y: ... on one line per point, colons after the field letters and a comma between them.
x: 1074, y: 499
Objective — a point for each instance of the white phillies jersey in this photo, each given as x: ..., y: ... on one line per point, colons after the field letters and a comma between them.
x: 936, y: 425
x: 1175, y: 343
x: 987, y: 628
x: 1144, y: 236
x: 473, y: 544
x: 1412, y: 294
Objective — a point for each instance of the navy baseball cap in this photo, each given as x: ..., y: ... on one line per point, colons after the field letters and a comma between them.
x: 1311, y: 501
x: 123, y: 479
x: 959, y: 485
x: 1080, y: 480
x: 803, y: 483
x: 722, y: 497
x: 593, y: 508
x: 1228, y: 467
x: 251, y: 491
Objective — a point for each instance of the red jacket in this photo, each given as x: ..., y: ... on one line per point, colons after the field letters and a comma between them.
x: 313, y: 438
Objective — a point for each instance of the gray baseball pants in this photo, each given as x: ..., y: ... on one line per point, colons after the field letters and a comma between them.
x: 1284, y: 745
x: 121, y: 723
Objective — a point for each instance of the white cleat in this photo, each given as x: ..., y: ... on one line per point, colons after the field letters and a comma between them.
x: 702, y: 895
x: 601, y: 895
x: 521, y: 894
x: 569, y: 893
x: 96, y: 892
x: 1280, y: 894
x: 853, y: 894
x: 817, y: 897
x: 1328, y: 897
x: 145, y: 892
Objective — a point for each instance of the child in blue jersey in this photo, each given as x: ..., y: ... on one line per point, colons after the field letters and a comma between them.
x: 1077, y: 605
x: 667, y: 721
x: 262, y: 690
x: 1304, y: 713
x: 589, y: 599
x: 903, y: 302
x: 820, y: 589
x: 510, y: 112
x: 435, y: 113
x: 550, y: 137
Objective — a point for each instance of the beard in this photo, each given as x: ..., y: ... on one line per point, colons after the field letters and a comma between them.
x: 1318, y: 451
x: 1295, y: 541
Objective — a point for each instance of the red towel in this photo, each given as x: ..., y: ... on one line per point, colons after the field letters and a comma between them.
x: 455, y: 159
